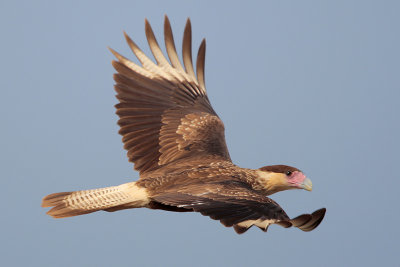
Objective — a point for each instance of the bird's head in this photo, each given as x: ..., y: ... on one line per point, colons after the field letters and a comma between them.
x: 277, y: 178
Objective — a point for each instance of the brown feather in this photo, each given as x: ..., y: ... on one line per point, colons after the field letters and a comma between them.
x: 155, y: 48
x: 200, y: 63
x: 187, y: 49
x: 170, y: 45
x: 169, y: 95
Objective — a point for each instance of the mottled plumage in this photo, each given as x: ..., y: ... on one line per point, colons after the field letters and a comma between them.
x: 177, y: 143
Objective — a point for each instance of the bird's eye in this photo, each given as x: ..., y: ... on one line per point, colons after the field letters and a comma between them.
x: 288, y: 173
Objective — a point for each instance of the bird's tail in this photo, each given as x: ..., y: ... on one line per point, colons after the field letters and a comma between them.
x: 68, y: 204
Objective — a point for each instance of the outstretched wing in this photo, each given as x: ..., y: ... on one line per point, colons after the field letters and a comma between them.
x: 235, y: 204
x: 164, y: 111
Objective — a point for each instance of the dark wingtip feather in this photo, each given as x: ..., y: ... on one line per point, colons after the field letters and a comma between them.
x: 285, y: 224
x: 147, y: 27
x: 318, y: 216
x: 127, y: 38
x: 239, y: 229
x: 187, y: 49
x: 115, y: 53
x: 200, y: 62
x: 188, y: 23
x: 167, y: 23
x: 301, y: 220
x: 308, y: 222
x: 154, y: 47
x: 170, y: 45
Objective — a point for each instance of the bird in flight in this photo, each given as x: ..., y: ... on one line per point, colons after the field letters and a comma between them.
x: 177, y: 143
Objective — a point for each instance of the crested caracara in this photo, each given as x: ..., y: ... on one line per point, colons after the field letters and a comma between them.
x: 176, y: 142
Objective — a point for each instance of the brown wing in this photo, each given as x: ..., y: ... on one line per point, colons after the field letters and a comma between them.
x: 164, y: 111
x: 235, y: 204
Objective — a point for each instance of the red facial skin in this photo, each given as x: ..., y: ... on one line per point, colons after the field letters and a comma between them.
x: 296, y: 179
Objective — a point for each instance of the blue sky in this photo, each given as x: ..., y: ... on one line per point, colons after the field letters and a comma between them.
x: 313, y: 84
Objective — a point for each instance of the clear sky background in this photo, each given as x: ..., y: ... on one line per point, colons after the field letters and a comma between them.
x: 313, y: 84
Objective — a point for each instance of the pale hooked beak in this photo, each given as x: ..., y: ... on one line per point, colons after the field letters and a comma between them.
x: 307, y: 184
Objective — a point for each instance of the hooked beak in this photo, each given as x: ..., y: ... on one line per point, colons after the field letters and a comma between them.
x: 306, y: 184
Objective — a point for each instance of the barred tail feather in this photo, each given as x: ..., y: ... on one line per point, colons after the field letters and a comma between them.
x: 68, y: 204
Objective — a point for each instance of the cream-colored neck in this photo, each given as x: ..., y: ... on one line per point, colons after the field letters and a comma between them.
x: 272, y: 182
